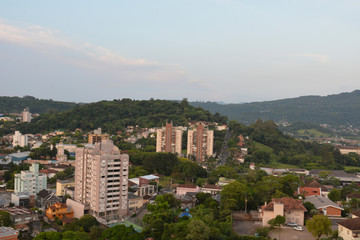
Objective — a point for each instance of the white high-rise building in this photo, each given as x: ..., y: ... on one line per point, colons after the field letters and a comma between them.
x: 101, y: 180
x: 30, y: 181
x: 19, y: 139
x: 200, y: 142
x: 169, y: 139
x: 25, y: 115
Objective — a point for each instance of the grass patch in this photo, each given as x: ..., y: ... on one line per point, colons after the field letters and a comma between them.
x: 261, y: 147
x: 165, y: 182
x: 351, y: 168
x: 313, y: 133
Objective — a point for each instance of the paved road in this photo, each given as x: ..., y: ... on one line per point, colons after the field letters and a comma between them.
x: 224, y: 153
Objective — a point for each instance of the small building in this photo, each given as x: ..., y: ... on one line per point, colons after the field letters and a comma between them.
x: 146, y: 180
x: 183, y: 189
x: 20, y: 199
x: 59, y: 210
x: 61, y: 185
x: 20, y: 215
x: 135, y: 202
x: 225, y: 181
x: 325, y: 205
x: 352, y: 196
x: 312, y: 188
x: 293, y: 210
x: 349, y: 229
x: 50, y: 173
x: 8, y: 233
x: 46, y: 198
x: 212, y: 189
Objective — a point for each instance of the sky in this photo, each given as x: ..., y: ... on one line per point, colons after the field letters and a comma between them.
x: 205, y: 50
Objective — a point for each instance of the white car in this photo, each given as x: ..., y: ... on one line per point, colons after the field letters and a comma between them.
x: 291, y: 224
x: 298, y: 228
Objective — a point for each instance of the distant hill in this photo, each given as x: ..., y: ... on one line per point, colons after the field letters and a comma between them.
x: 115, y: 115
x: 17, y: 104
x: 336, y: 110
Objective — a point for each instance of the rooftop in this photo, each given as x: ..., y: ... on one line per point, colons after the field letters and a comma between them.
x: 7, y: 231
x: 150, y: 177
x: 352, y: 224
x: 289, y: 204
x: 320, y: 202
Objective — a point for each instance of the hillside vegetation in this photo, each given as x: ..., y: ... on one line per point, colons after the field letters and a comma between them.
x: 17, y: 104
x: 339, y: 109
x: 117, y: 114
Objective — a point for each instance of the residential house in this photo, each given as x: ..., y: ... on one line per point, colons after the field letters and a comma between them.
x: 212, y: 189
x: 349, y: 229
x: 352, y: 196
x: 325, y: 205
x: 135, y: 202
x: 20, y: 215
x: 59, y: 210
x: 21, y: 199
x: 8, y: 233
x: 292, y: 209
x: 50, y: 173
x: 183, y: 189
x: 46, y: 198
x: 311, y: 189
x: 62, y: 185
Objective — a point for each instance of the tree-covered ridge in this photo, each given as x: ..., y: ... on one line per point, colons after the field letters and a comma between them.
x: 114, y: 115
x: 268, y: 146
x: 336, y: 109
x: 17, y: 104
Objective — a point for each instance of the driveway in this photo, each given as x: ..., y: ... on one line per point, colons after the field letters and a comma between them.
x: 289, y: 233
x: 246, y: 227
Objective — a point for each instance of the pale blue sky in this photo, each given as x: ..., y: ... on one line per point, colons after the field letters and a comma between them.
x: 216, y: 50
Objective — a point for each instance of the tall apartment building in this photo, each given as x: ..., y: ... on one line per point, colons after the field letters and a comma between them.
x: 200, y: 142
x: 101, y: 180
x: 19, y: 139
x: 30, y: 181
x: 25, y: 115
x: 97, y: 136
x: 169, y: 139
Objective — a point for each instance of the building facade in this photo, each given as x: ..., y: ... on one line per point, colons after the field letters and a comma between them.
x: 25, y: 115
x: 19, y: 139
x: 200, y: 142
x: 30, y: 181
x: 101, y: 180
x: 169, y: 139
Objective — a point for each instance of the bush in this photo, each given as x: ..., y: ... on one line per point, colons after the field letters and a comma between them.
x: 263, y: 231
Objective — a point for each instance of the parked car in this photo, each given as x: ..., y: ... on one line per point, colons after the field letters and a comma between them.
x: 291, y: 224
x: 298, y: 228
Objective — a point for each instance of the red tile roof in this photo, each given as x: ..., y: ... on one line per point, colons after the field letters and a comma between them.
x: 187, y: 186
x: 352, y: 224
x: 315, y: 184
x: 289, y: 204
x: 353, y: 195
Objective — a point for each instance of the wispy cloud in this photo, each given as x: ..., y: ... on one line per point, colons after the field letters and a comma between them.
x: 316, y: 57
x: 117, y: 69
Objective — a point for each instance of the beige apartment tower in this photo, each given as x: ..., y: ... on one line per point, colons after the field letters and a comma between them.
x: 169, y: 139
x: 101, y: 180
x: 200, y: 142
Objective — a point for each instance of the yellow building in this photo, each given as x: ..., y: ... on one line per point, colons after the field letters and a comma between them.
x: 61, y: 185
x: 59, y: 210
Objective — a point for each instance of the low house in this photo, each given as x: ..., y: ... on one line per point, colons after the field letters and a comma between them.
x: 312, y: 188
x: 45, y: 198
x: 212, y: 189
x: 135, y: 201
x: 183, y: 189
x: 355, y: 214
x: 344, y: 177
x: 188, y: 200
x: 21, y: 199
x: 293, y: 210
x: 21, y: 216
x: 8, y: 233
x: 325, y: 205
x: 61, y: 185
x: 349, y: 229
x: 352, y: 196
x: 50, y: 173
x: 59, y: 210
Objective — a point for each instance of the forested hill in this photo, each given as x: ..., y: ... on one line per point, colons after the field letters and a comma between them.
x: 117, y: 114
x: 339, y: 109
x: 17, y: 104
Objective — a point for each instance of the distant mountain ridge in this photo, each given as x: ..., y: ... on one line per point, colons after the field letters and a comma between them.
x: 336, y: 109
x: 17, y: 104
